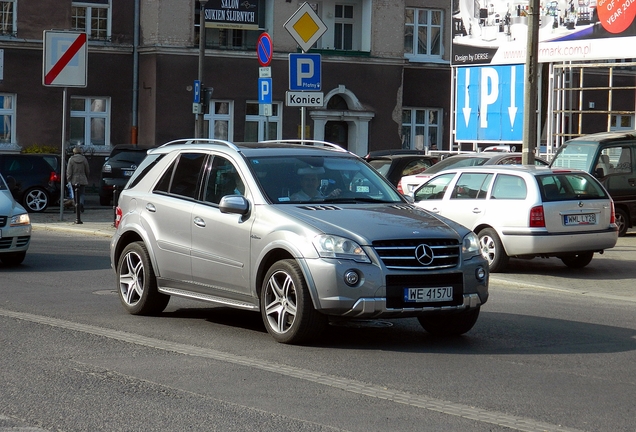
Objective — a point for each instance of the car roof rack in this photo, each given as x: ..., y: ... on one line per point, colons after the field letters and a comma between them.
x: 306, y: 142
x: 201, y: 141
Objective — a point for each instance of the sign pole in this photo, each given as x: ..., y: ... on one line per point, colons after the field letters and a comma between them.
x: 63, y: 157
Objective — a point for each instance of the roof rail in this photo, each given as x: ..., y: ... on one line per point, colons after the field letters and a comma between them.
x: 307, y: 142
x: 201, y: 141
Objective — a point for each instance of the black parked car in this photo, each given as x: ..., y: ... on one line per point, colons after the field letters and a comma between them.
x: 119, y: 166
x: 34, y: 178
x: 394, y: 164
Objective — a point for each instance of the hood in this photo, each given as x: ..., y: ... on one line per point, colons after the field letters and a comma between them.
x: 366, y: 223
x: 8, y: 206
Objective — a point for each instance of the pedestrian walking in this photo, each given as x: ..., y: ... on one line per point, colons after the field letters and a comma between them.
x: 77, y: 172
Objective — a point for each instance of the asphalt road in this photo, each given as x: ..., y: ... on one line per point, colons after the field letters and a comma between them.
x: 546, y: 354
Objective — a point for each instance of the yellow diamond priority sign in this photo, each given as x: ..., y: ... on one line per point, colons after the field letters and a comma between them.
x: 305, y: 26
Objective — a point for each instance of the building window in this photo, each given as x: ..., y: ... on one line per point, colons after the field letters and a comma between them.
x: 7, y: 114
x: 218, y: 120
x: 423, y: 34
x: 343, y: 27
x: 8, y: 26
x: 421, y: 128
x: 90, y: 121
x: 622, y: 122
x: 92, y: 17
x: 256, y: 124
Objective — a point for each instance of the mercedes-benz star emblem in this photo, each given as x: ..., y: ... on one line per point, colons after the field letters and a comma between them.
x: 424, y: 254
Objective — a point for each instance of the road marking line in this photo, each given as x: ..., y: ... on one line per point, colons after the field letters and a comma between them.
x: 348, y: 385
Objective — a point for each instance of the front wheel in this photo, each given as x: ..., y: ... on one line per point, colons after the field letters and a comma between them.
x: 450, y: 323
x: 286, y: 306
x: 36, y: 200
x: 492, y: 249
x: 137, y: 284
x: 578, y: 260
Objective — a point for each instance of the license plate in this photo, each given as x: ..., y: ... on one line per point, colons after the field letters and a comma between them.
x: 128, y: 173
x: 424, y: 295
x: 580, y: 219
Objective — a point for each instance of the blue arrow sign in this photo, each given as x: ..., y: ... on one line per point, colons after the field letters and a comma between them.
x: 490, y: 103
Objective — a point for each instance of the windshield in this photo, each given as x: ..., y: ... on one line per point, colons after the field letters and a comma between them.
x: 305, y: 179
x: 3, y: 186
x: 128, y: 156
x: 575, y: 156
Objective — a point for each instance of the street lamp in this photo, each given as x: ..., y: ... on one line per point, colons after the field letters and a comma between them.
x: 198, y: 124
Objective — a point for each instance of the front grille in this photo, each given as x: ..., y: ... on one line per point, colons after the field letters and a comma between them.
x: 3, y: 221
x: 401, y: 254
x: 395, y: 285
x: 6, y: 242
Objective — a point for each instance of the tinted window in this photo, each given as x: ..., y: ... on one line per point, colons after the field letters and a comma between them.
x: 222, y: 180
x: 144, y: 168
x: 186, y: 174
x: 128, y: 156
x: 570, y: 186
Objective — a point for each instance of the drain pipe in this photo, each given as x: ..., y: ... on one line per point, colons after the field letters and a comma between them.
x: 135, y: 77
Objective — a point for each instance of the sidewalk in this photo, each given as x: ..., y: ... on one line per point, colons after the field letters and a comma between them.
x: 96, y: 219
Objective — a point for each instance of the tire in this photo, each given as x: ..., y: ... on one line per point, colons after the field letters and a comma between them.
x: 104, y: 201
x: 137, y: 284
x: 36, y: 200
x: 492, y: 249
x: 449, y: 324
x: 622, y: 220
x: 13, y: 259
x: 578, y: 260
x: 286, y: 307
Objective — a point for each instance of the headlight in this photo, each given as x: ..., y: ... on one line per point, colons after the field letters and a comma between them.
x: 21, y: 219
x: 329, y: 246
x: 107, y: 169
x: 470, y: 245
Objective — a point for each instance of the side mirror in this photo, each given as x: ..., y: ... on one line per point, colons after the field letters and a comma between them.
x: 236, y: 204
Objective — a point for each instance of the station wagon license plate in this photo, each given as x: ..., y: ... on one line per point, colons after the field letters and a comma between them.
x: 424, y: 295
x: 580, y: 219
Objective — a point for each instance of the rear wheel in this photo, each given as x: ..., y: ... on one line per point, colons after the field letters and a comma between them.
x: 492, y: 249
x: 35, y: 200
x: 449, y: 324
x: 622, y: 220
x: 13, y: 258
x: 286, y: 306
x: 137, y: 284
x: 578, y: 260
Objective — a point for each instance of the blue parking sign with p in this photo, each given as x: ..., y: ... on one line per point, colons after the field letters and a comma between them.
x: 264, y: 90
x: 304, y: 72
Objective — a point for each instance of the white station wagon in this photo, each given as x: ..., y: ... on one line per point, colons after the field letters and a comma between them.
x: 525, y: 211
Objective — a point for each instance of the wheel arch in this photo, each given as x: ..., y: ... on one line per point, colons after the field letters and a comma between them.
x: 132, y: 236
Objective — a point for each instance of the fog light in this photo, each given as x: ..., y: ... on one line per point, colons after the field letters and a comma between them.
x: 480, y: 273
x: 351, y: 277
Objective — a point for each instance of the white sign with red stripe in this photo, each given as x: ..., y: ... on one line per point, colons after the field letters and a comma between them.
x: 65, y: 59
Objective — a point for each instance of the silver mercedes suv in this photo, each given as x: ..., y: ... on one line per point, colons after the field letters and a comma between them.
x: 302, y: 232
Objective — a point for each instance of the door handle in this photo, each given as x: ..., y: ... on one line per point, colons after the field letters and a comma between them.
x: 151, y: 207
x: 477, y: 210
x: 199, y: 222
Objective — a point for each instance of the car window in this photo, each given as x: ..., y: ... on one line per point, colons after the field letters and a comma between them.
x: 146, y: 165
x: 575, y: 156
x: 183, y: 178
x: 509, y: 187
x: 382, y: 165
x: 471, y: 185
x: 570, y: 186
x: 615, y: 160
x: 222, y: 179
x: 434, y: 188
x: 128, y: 156
x: 416, y: 167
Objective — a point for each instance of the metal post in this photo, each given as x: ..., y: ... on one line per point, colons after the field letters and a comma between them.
x: 78, y: 218
x: 531, y: 87
x: 62, y: 157
x: 198, y: 126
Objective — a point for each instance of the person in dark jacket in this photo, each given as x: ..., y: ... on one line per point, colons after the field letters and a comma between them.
x: 77, y: 172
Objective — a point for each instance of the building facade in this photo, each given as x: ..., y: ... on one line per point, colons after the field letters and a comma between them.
x: 385, y: 73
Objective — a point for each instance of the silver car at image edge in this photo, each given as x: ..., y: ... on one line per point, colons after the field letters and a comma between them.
x: 227, y: 223
x: 15, y: 227
x: 525, y: 211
